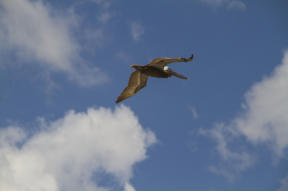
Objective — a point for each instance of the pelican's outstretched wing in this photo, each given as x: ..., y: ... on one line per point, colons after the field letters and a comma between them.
x: 163, y: 61
x: 137, y: 81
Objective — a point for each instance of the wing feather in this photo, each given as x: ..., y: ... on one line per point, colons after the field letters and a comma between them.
x: 136, y: 82
x: 163, y: 61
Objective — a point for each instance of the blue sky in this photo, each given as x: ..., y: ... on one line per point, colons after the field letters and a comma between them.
x: 64, y: 63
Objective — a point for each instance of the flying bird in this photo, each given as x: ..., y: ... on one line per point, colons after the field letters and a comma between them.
x: 156, y: 68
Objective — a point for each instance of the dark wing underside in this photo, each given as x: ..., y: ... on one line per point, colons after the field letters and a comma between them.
x: 163, y: 61
x: 137, y: 81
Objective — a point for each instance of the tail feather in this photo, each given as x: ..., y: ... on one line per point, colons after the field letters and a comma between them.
x: 179, y: 75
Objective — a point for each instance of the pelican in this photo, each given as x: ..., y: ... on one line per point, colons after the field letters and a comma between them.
x: 156, y: 68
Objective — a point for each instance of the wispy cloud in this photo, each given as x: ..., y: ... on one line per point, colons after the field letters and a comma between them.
x: 137, y: 31
x: 123, y: 56
x: 74, y: 152
x: 235, y: 160
x: 237, y: 5
x: 264, y: 119
x: 284, y: 184
x: 194, y: 112
x: 104, y: 14
x: 229, y: 4
x: 104, y: 17
x: 39, y: 34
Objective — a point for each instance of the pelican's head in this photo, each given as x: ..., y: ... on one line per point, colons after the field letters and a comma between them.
x: 165, y: 68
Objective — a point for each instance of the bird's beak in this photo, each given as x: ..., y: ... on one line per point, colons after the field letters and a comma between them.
x: 132, y: 66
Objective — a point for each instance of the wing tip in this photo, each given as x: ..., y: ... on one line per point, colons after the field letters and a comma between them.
x: 192, y: 56
x: 188, y: 59
x: 119, y: 99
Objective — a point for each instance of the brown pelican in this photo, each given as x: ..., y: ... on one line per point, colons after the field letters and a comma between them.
x: 156, y: 68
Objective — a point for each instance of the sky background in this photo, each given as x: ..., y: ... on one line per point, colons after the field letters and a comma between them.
x: 64, y: 63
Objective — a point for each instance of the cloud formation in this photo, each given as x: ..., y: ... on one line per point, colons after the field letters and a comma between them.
x: 263, y: 121
x: 235, y: 160
x: 194, y: 112
x: 104, y: 14
x: 284, y: 184
x: 229, y: 4
x: 265, y: 118
x: 74, y: 152
x: 137, y: 31
x: 39, y: 34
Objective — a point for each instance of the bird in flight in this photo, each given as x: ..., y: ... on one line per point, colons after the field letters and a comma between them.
x: 156, y: 68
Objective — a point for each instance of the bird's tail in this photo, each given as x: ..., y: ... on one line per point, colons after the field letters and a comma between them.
x: 179, y: 75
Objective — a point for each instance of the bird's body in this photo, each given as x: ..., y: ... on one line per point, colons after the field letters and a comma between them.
x: 153, y: 71
x: 156, y: 68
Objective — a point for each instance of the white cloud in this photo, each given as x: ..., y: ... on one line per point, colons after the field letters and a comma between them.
x: 235, y: 160
x: 137, y: 31
x: 38, y: 33
x: 194, y: 112
x: 129, y: 187
x: 264, y: 119
x: 67, y: 153
x: 284, y: 184
x: 229, y: 4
